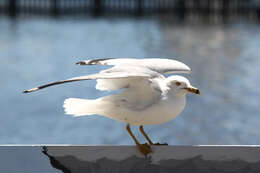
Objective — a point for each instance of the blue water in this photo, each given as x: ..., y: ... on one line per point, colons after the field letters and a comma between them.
x: 224, y: 59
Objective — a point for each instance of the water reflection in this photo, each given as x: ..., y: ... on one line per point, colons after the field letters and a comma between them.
x: 223, y: 57
x: 27, y: 159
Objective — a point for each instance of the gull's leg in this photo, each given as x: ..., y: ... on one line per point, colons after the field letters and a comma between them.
x: 145, y: 135
x: 143, y: 148
x: 147, y: 138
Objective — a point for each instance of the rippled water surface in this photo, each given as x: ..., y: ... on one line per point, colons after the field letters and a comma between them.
x: 224, y: 59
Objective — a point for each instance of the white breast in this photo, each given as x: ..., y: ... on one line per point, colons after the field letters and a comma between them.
x: 164, y: 111
x: 161, y: 112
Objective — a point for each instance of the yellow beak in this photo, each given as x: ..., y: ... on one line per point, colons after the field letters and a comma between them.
x: 193, y: 90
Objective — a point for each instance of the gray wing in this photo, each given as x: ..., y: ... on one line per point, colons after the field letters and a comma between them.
x: 163, y: 66
x: 112, y: 73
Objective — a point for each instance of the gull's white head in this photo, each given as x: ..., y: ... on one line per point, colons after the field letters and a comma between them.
x: 180, y: 85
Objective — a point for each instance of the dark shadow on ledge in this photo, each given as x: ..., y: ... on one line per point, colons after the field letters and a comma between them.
x: 55, y: 163
x: 72, y: 164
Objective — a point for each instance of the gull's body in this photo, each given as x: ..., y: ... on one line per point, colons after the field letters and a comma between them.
x: 140, y: 104
x: 147, y: 96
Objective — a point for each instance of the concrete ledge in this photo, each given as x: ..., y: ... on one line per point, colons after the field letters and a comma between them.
x: 99, y: 159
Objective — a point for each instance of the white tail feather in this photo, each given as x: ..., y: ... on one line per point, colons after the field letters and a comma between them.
x: 80, y: 107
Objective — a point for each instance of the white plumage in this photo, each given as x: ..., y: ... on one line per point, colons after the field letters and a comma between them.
x: 147, y: 97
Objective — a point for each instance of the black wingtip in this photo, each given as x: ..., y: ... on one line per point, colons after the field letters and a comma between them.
x: 31, y: 90
x: 27, y: 91
x: 93, y: 61
x: 81, y: 63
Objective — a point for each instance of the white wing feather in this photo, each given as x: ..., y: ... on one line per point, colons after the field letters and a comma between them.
x: 141, y: 78
x: 112, y: 73
x: 163, y: 66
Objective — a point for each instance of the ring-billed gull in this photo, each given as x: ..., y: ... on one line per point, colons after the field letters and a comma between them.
x: 147, y: 97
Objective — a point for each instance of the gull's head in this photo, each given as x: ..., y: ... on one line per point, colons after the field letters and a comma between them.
x: 180, y: 85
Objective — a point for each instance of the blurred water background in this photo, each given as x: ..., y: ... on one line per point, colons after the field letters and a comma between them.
x: 224, y: 57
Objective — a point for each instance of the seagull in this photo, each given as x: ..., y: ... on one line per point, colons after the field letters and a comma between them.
x: 146, y: 96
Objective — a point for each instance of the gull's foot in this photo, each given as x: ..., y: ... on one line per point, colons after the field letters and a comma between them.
x: 145, y: 149
x: 159, y: 143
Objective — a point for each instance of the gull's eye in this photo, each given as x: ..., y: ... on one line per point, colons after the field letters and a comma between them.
x: 177, y: 83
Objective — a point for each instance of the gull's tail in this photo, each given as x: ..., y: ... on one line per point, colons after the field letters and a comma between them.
x: 80, y: 107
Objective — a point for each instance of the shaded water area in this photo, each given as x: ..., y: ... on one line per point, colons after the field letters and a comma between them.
x: 29, y: 159
x: 224, y: 58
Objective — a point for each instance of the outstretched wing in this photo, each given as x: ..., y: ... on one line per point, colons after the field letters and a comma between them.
x: 163, y: 66
x: 112, y: 73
